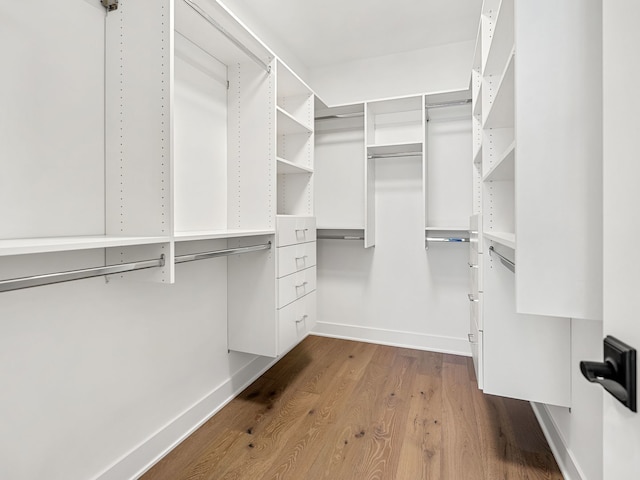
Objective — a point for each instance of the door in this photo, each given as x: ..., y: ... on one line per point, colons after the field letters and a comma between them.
x: 621, y: 195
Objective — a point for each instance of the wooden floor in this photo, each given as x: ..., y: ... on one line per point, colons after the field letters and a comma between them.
x: 341, y: 410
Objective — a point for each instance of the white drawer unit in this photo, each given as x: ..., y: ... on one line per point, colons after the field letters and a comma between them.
x: 294, y: 258
x: 291, y: 229
x: 295, y: 286
x: 295, y: 321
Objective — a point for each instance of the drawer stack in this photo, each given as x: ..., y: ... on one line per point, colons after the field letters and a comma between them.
x: 296, y: 279
x: 475, y: 297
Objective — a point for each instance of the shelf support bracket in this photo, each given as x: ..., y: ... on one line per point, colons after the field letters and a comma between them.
x: 110, y: 5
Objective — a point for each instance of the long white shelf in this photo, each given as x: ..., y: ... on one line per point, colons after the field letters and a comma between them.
x: 392, y: 148
x: 459, y: 228
x: 219, y: 234
x: 503, y: 238
x: 504, y: 168
x: 501, y: 112
x: 23, y: 246
x: 288, y: 124
x: 285, y: 166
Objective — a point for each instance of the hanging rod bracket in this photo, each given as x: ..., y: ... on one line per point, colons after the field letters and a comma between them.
x: 110, y: 5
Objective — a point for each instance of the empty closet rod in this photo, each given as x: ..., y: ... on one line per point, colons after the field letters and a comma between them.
x: 505, y: 261
x: 393, y: 155
x: 51, y: 278
x: 231, y: 38
x: 221, y: 253
x: 448, y: 239
x: 340, y: 237
x: 449, y: 104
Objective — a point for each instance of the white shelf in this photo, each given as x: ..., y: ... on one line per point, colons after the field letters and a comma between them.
x: 219, y: 234
x: 23, y: 246
x: 503, y: 238
x: 477, y: 103
x: 287, y: 124
x: 447, y: 229
x: 501, y: 112
x: 289, y: 84
x: 477, y: 156
x: 502, y: 40
x: 383, y: 149
x: 285, y: 166
x: 504, y: 168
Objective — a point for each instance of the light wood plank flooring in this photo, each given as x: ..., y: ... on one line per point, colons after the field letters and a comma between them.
x: 342, y: 410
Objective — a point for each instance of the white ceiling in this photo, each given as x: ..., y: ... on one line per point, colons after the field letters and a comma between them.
x: 325, y: 32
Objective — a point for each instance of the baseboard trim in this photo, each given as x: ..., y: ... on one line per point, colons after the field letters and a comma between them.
x: 394, y: 338
x: 135, y: 463
x: 564, y: 457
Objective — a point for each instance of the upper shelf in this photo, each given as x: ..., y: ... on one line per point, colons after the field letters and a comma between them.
x: 23, y: 246
x: 502, y: 40
x: 507, y: 239
x: 501, y: 112
x: 395, y: 148
x: 504, y: 168
x: 219, y: 234
x: 285, y: 166
x: 287, y: 124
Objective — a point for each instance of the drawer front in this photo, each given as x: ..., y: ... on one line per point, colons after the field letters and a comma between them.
x: 291, y: 230
x: 475, y: 310
x: 475, y: 276
x: 475, y: 236
x: 475, y: 341
x: 296, y: 285
x: 295, y: 321
x: 294, y: 258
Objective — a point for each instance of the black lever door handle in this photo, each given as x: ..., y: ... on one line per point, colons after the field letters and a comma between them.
x: 617, y: 374
x: 604, y: 373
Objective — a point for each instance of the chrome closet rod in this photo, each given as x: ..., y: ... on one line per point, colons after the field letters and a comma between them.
x: 340, y: 237
x: 448, y: 239
x: 393, y: 155
x: 51, y: 278
x: 231, y: 38
x: 505, y: 261
x: 449, y: 104
x: 221, y: 253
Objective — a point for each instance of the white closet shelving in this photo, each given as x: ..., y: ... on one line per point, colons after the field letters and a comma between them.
x: 520, y: 135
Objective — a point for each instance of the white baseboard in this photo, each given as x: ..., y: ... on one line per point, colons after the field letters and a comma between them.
x: 394, y: 338
x: 564, y: 457
x: 149, y: 452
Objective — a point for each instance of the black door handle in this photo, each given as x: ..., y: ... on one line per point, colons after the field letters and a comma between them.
x: 617, y: 374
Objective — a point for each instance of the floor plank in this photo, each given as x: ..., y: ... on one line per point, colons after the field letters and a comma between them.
x: 342, y: 410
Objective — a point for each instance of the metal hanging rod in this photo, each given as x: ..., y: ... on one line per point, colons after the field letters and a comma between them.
x: 341, y: 115
x: 449, y: 104
x: 51, y: 278
x: 221, y: 253
x: 340, y: 237
x: 448, y: 239
x: 232, y: 39
x: 505, y: 261
x: 393, y: 155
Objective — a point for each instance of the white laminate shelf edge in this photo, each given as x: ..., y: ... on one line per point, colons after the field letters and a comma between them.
x: 503, y: 238
x: 392, y: 148
x: 287, y: 124
x: 219, y: 234
x: 504, y: 168
x: 447, y: 229
x: 23, y: 246
x: 285, y: 166
x: 502, y: 39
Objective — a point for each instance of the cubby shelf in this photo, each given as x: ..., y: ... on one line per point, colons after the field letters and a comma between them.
x: 288, y: 124
x: 447, y: 229
x: 503, y: 238
x: 501, y: 112
x: 477, y: 103
x: 21, y: 246
x: 477, y: 156
x: 285, y: 166
x: 218, y: 234
x: 504, y: 168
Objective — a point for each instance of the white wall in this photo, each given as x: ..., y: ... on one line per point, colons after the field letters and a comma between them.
x: 580, y: 427
x: 446, y: 67
x: 90, y: 371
